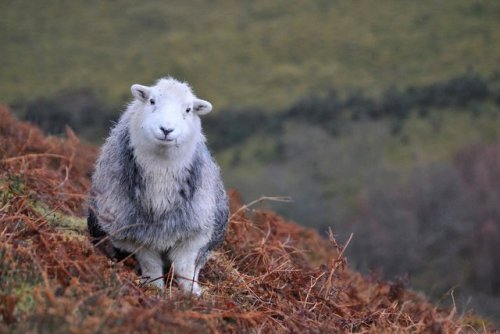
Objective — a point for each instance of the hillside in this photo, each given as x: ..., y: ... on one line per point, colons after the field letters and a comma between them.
x: 242, y: 53
x: 270, y: 275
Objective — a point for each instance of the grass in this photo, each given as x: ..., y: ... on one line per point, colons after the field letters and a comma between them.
x: 442, y: 135
x: 239, y: 54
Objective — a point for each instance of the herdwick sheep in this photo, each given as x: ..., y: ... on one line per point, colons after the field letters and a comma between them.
x: 156, y: 191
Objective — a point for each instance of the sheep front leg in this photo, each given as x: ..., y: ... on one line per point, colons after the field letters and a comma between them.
x: 186, y: 270
x: 151, y: 267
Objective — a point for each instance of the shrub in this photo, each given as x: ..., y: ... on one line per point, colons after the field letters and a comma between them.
x: 81, y: 109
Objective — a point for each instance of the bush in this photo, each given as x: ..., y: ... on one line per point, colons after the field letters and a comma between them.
x: 80, y: 109
x: 420, y: 228
x: 479, y: 167
x: 90, y: 117
x: 442, y: 227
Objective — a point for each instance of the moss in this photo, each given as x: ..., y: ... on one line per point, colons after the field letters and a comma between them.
x: 10, y: 187
x: 25, y: 297
x: 18, y: 279
x: 69, y: 226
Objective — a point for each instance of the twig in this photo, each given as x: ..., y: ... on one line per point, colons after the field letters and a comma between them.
x: 335, y: 266
x: 312, y: 286
x: 261, y: 199
x: 34, y: 155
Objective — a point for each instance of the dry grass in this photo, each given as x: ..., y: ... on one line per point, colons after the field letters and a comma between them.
x: 269, y: 276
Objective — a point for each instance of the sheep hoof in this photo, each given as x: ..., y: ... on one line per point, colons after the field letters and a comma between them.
x: 156, y: 284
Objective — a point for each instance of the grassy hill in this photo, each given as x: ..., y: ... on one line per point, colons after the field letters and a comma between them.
x: 240, y: 54
x: 269, y: 276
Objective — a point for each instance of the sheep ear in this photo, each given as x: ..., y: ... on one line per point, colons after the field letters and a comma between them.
x: 140, y: 92
x: 202, y: 107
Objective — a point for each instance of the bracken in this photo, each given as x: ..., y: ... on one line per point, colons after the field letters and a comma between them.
x: 269, y: 276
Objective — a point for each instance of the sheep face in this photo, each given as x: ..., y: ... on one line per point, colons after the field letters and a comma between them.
x: 168, y: 113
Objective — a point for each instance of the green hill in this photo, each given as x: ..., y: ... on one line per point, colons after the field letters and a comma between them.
x: 239, y: 54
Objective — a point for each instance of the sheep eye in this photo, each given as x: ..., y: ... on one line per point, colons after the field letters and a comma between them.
x: 152, y: 101
x: 188, y: 109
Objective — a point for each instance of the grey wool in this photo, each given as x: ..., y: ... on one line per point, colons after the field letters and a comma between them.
x: 156, y: 190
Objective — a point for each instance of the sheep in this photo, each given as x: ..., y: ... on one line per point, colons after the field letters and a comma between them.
x: 156, y: 191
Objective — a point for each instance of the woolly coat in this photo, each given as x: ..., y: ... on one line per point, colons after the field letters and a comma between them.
x: 122, y: 206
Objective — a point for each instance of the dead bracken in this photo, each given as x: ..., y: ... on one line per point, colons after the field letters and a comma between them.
x: 269, y: 276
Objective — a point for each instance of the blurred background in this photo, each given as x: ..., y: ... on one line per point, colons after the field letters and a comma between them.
x: 380, y: 119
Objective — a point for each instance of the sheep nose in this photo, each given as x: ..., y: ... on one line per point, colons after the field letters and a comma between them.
x: 165, y: 131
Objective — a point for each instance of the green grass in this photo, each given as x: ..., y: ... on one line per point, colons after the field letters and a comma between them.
x: 242, y: 53
x: 442, y: 135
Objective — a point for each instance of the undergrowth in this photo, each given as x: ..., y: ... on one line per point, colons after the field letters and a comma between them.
x: 269, y: 275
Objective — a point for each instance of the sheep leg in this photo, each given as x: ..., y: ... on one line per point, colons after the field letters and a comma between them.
x: 151, y: 266
x: 186, y: 271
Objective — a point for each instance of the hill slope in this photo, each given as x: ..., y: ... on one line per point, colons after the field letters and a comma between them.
x: 242, y: 53
x: 270, y: 275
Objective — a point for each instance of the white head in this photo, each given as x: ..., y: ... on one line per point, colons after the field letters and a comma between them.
x: 166, y: 115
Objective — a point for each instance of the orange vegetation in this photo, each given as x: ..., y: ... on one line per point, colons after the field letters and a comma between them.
x: 269, y: 276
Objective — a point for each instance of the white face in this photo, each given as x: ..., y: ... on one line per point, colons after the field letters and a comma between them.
x: 168, y: 119
x: 170, y: 113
